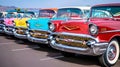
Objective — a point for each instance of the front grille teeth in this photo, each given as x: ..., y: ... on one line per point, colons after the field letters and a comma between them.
x: 21, y: 31
x: 70, y: 40
x: 39, y: 34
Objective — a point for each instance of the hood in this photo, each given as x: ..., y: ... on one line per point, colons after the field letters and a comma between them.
x: 8, y: 21
x: 39, y: 23
x: 21, y: 22
x: 74, y: 26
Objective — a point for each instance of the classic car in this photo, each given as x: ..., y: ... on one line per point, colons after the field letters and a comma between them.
x: 8, y: 22
x: 99, y: 35
x: 21, y: 26
x: 2, y: 16
x: 38, y: 29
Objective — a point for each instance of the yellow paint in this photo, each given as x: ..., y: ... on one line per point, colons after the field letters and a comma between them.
x: 21, y: 22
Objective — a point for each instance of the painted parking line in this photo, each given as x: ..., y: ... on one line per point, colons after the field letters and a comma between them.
x: 6, y: 43
x: 51, y: 58
x: 24, y: 49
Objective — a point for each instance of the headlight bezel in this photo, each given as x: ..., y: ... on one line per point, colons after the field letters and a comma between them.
x: 13, y: 23
x: 27, y: 24
x: 93, y: 29
x: 52, y: 27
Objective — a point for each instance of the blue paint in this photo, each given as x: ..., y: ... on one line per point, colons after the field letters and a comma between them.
x: 39, y: 24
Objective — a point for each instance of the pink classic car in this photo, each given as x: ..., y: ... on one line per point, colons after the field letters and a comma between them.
x: 8, y: 22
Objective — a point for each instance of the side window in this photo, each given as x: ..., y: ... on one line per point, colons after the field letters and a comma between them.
x: 101, y: 14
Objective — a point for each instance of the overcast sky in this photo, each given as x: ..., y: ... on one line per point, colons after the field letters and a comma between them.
x: 53, y: 3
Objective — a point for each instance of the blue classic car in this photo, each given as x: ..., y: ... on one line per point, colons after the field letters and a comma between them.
x: 38, y: 30
x: 2, y: 16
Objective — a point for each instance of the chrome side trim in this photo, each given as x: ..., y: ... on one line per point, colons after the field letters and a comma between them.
x: 110, y: 31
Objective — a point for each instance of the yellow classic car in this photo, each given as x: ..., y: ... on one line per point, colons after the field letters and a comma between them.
x: 21, y: 26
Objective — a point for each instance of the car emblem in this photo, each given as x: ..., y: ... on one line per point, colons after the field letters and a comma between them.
x: 37, y: 25
x: 71, y: 27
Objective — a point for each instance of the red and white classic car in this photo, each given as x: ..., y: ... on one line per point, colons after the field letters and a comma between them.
x: 99, y: 35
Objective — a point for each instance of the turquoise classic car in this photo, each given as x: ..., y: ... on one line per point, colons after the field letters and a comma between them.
x: 38, y: 29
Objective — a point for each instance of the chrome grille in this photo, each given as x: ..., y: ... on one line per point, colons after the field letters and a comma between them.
x: 21, y: 31
x: 70, y: 40
x: 39, y: 34
x: 9, y: 28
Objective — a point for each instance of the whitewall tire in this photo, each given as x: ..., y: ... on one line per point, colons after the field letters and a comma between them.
x: 110, y: 57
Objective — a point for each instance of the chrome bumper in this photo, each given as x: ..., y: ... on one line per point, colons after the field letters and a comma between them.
x: 8, y: 32
x: 37, y: 40
x: 2, y: 28
x: 96, y: 49
x: 20, y: 36
x: 2, y: 31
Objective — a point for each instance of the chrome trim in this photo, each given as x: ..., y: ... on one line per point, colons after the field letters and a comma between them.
x: 79, y: 35
x: 94, y: 51
x: 110, y: 31
x: 37, y: 40
x: 97, y: 48
x: 19, y: 35
x: 71, y: 40
x: 8, y: 32
x: 2, y: 30
x: 41, y: 30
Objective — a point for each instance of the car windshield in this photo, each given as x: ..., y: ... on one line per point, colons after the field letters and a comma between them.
x: 46, y: 13
x: 28, y: 15
x: 106, y: 12
x: 19, y: 15
x: 10, y: 15
x: 69, y: 13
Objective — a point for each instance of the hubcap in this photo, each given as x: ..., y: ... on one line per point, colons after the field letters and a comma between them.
x: 111, y: 52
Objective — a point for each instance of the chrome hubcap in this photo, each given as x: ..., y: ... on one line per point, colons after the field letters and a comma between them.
x: 111, y: 52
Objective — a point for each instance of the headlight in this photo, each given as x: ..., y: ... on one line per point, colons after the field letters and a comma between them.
x: 13, y: 23
x: 27, y: 24
x: 52, y: 27
x: 93, y: 29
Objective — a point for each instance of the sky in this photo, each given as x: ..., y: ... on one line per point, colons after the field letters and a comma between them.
x: 53, y: 3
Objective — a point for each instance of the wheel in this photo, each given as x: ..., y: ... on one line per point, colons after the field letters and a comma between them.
x: 110, y: 57
x: 67, y: 54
